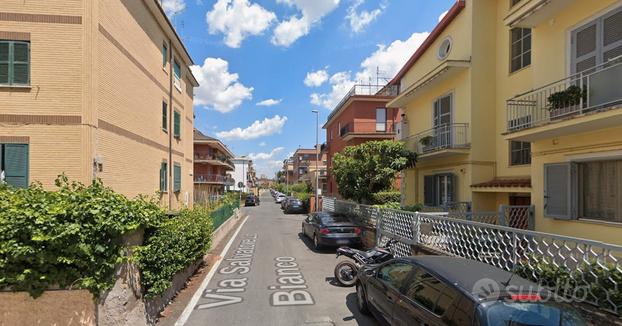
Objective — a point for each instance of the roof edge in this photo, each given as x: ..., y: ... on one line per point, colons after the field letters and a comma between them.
x: 436, y: 32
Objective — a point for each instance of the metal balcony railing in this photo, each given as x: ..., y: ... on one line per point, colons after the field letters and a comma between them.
x: 380, y: 90
x: 213, y: 178
x: 595, y: 89
x: 445, y: 136
x: 367, y: 127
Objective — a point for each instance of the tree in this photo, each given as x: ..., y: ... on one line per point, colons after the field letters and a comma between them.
x: 363, y: 170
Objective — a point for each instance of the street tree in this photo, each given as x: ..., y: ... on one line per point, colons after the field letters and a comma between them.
x: 365, y: 169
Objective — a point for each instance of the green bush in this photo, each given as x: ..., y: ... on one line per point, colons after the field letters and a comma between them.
x: 397, y: 206
x: 384, y: 197
x: 70, y: 237
x: 173, y: 246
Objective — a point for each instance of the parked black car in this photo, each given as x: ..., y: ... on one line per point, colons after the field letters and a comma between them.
x: 294, y: 206
x: 440, y: 290
x: 251, y: 200
x: 331, y: 229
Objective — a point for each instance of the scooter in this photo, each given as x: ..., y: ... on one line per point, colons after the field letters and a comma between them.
x: 345, y: 271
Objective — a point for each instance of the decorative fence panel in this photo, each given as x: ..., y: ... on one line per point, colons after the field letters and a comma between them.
x: 580, y: 269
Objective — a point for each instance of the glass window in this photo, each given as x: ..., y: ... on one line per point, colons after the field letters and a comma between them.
x: 164, y: 116
x: 597, y: 42
x: 520, y: 48
x: 381, y: 119
x: 429, y: 292
x: 600, y: 190
x: 164, y: 55
x: 14, y: 63
x: 176, y: 124
x: 395, y: 274
x: 520, y: 153
x: 14, y: 164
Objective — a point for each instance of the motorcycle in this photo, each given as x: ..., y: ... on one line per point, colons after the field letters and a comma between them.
x: 345, y: 271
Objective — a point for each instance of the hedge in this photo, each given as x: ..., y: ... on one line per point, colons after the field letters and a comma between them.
x: 67, y: 238
x: 385, y: 197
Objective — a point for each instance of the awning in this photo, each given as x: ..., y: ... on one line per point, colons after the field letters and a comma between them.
x: 504, y: 183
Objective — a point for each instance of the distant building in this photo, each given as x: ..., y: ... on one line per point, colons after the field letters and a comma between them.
x: 212, y: 161
x: 244, y: 172
x: 305, y: 167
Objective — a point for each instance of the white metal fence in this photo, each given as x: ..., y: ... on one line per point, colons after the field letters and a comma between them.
x: 581, y: 269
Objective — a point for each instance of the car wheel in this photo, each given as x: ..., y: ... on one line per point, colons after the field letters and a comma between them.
x: 361, y: 300
x: 316, y: 242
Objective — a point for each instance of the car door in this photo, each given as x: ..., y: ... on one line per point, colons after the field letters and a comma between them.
x: 306, y: 225
x: 383, y: 289
x: 425, y: 300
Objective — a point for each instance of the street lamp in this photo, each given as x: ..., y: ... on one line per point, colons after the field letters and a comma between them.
x: 317, y: 158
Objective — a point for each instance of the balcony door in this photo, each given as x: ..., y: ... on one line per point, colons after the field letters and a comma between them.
x: 442, y: 136
x: 381, y: 120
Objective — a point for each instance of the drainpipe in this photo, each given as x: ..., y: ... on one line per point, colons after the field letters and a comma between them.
x: 170, y: 125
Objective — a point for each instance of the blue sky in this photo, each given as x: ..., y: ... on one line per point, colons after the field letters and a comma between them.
x: 294, y: 56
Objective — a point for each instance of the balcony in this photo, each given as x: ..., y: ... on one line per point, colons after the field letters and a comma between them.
x: 531, y: 13
x: 213, y: 179
x: 575, y: 104
x: 214, y: 159
x: 366, y: 90
x: 441, y: 141
x: 367, y: 129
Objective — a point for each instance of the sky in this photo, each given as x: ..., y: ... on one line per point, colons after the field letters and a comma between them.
x: 264, y: 65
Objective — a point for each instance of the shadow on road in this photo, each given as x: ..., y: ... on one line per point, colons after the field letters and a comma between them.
x: 309, y: 243
x: 356, y: 314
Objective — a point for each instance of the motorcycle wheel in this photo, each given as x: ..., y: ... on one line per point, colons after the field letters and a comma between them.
x: 345, y: 273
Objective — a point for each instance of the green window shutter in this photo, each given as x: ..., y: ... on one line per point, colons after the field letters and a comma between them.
x: 163, y: 176
x: 176, y: 124
x: 164, y: 116
x: 4, y: 62
x: 177, y: 69
x: 429, y: 190
x: 177, y: 178
x: 21, y: 59
x: 16, y: 164
x: 560, y: 188
x: 164, y: 55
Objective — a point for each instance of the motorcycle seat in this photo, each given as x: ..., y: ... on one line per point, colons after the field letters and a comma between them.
x: 366, y: 254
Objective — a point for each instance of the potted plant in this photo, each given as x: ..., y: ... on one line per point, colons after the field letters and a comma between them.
x: 426, y: 141
x: 560, y: 102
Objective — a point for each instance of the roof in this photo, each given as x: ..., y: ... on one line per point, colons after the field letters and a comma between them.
x: 505, y: 183
x: 436, y: 33
x: 351, y: 101
x: 305, y: 151
x: 468, y: 274
x: 200, y: 137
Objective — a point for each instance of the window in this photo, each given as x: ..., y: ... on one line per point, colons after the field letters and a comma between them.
x: 176, y: 178
x: 520, y: 153
x: 14, y: 63
x: 163, y: 177
x: 439, y: 189
x: 164, y: 55
x: 176, y: 124
x: 430, y: 293
x: 442, y: 119
x: 14, y: 164
x: 395, y: 274
x: 590, y: 190
x: 597, y: 42
x: 164, y: 116
x: 520, y: 48
x: 381, y: 119
x: 444, y: 49
x: 177, y: 73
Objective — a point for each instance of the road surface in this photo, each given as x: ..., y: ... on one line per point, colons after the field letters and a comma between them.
x: 271, y: 276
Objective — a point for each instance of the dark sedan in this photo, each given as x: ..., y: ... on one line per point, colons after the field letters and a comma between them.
x: 294, y: 206
x: 440, y: 290
x: 251, y: 200
x: 330, y: 229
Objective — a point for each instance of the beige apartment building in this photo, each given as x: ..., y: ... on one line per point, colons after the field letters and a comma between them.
x: 96, y: 89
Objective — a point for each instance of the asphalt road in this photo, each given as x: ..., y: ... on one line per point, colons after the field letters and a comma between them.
x: 271, y: 276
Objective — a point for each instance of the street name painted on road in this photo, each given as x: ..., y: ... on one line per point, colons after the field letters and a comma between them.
x: 238, y: 264
x: 291, y: 285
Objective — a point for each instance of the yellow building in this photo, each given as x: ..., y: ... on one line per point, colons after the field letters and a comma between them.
x: 96, y: 89
x: 515, y: 102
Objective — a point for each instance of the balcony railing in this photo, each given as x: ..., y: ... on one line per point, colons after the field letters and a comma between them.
x: 367, y: 127
x: 210, y: 157
x: 380, y: 90
x: 593, y: 90
x: 447, y: 136
x: 214, y: 178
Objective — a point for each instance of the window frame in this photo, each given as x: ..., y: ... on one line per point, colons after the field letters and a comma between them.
x: 10, y: 62
x: 512, y: 152
x: 176, y: 76
x: 164, y: 176
x: 436, y: 189
x: 579, y: 204
x: 164, y: 116
x: 384, y: 123
x: 177, y: 176
x: 176, y: 124
x: 520, y: 41
x: 3, y: 163
x: 164, y: 55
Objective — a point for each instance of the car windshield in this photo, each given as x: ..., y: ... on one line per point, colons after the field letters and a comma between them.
x: 503, y: 313
x: 333, y: 218
x: 296, y: 202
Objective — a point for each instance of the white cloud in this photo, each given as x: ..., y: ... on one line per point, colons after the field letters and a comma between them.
x: 389, y: 59
x: 258, y: 129
x: 442, y: 15
x: 218, y: 88
x: 173, y: 7
x: 310, y: 12
x: 238, y: 19
x: 268, y: 168
x: 316, y: 78
x: 269, y: 102
x: 360, y: 20
x: 262, y: 144
x: 265, y: 156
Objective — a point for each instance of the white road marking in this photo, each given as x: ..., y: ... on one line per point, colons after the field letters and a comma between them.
x: 197, y: 295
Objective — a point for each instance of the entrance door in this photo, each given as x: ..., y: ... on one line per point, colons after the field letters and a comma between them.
x: 517, y: 215
x: 442, y: 122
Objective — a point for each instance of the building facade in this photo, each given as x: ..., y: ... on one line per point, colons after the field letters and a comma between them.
x: 244, y: 172
x: 212, y: 161
x: 96, y: 89
x: 361, y: 116
x: 512, y: 102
